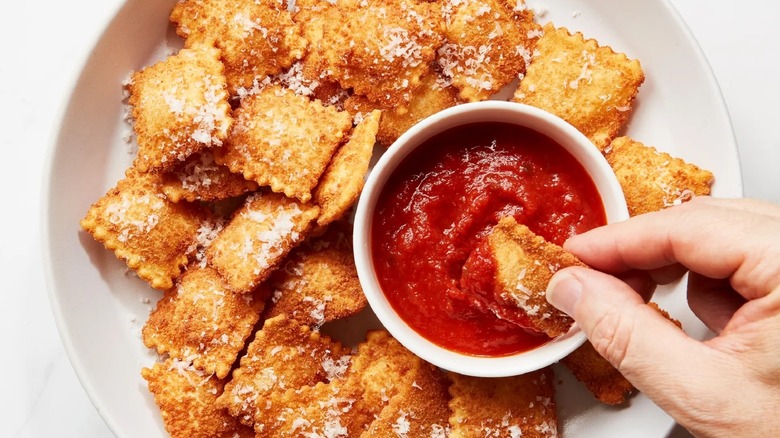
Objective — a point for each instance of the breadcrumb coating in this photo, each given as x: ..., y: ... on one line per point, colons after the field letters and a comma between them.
x: 200, y: 319
x: 653, y: 180
x: 523, y: 265
x: 179, y: 107
x: 318, y: 282
x: 256, y: 37
x: 519, y: 406
x: 284, y: 141
x: 588, y: 85
x: 433, y: 95
x: 258, y: 237
x: 343, y: 179
x: 488, y: 44
x: 200, y: 178
x: 283, y: 355
x: 381, y: 49
x: 143, y: 228
x: 186, y: 398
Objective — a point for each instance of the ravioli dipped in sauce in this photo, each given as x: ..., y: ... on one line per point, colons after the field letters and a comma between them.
x: 444, y: 199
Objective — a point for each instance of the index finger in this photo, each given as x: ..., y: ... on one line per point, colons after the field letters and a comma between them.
x: 717, y: 238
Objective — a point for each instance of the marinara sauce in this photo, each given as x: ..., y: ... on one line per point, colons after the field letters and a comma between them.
x: 444, y: 198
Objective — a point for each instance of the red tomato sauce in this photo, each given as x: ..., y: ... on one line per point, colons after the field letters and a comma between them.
x: 444, y: 198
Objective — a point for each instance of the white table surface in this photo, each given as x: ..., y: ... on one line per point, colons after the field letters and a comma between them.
x: 45, y: 43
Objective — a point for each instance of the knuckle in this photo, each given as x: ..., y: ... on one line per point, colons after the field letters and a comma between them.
x: 611, y: 336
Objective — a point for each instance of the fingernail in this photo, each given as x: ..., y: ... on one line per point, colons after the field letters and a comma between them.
x: 563, y: 292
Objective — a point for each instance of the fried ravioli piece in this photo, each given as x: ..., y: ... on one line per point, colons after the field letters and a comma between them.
x: 143, y: 228
x: 284, y: 355
x: 257, y: 37
x: 186, y: 397
x: 200, y: 318
x: 382, y: 48
x: 318, y: 283
x: 322, y: 410
x: 382, y: 373
x: 201, y: 179
x: 602, y: 379
x: 653, y: 180
x: 488, y: 44
x: 588, y: 85
x: 433, y: 95
x: 382, y: 368
x: 342, y: 181
x: 283, y: 140
x: 522, y: 264
x: 419, y: 409
x: 318, y: 18
x: 508, y: 406
x: 179, y: 107
x: 259, y: 235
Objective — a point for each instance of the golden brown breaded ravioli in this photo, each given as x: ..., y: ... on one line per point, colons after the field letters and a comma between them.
x: 202, y: 320
x: 179, y: 107
x: 519, y: 406
x: 653, y: 180
x: 142, y: 227
x: 284, y: 140
x: 524, y: 263
x: 259, y: 235
x: 256, y: 37
x: 588, y: 85
x: 488, y: 44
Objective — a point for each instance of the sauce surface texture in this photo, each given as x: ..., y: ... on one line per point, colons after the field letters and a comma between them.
x: 444, y: 198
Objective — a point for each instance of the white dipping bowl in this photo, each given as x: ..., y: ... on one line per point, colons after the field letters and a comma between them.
x: 489, y: 111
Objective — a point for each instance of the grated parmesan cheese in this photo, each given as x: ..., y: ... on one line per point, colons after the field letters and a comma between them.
x: 401, y: 426
x: 335, y: 369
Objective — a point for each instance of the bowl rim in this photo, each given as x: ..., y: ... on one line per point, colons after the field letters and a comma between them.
x: 576, y: 143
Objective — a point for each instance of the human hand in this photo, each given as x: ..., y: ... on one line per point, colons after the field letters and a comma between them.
x: 727, y: 386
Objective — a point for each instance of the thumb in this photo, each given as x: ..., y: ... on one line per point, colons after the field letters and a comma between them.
x: 650, y: 351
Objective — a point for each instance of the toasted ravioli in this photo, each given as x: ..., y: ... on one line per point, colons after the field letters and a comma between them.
x: 381, y: 49
x: 653, y: 180
x: 317, y: 19
x: 318, y: 282
x: 522, y: 264
x: 283, y: 355
x: 433, y: 95
x: 186, y: 397
x: 488, y: 44
x: 504, y: 407
x: 201, y: 179
x: 202, y: 320
x: 259, y: 235
x: 179, y: 106
x: 284, y: 140
x: 421, y: 408
x: 343, y: 179
x: 143, y: 228
x: 382, y: 368
x: 602, y: 379
x: 257, y: 37
x: 322, y: 410
x: 588, y: 85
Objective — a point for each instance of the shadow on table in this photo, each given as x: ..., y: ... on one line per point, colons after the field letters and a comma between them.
x: 679, y: 432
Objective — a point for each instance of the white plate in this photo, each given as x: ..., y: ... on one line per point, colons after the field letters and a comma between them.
x: 100, y: 309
